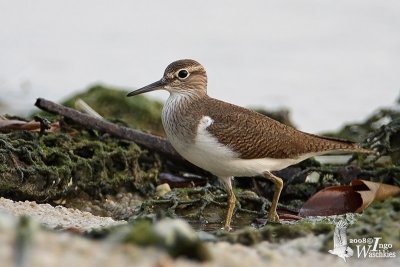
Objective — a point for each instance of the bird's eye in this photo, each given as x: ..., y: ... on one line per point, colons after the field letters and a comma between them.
x: 183, y: 74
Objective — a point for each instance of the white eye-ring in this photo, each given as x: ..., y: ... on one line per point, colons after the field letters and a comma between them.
x: 182, y: 74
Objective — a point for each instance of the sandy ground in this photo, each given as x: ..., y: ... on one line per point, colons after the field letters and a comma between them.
x: 57, y: 217
x: 59, y: 248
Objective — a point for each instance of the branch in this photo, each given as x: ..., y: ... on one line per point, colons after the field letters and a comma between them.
x: 149, y: 141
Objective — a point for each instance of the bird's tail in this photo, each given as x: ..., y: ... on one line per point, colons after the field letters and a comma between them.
x: 336, y: 145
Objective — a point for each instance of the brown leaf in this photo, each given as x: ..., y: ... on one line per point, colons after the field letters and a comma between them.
x: 355, y: 197
x: 374, y: 192
x: 10, y: 125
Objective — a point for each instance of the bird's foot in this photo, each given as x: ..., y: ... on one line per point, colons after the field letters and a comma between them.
x: 227, y: 228
x: 273, y: 217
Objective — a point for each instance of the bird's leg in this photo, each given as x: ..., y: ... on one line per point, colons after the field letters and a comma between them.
x: 273, y: 215
x: 231, y: 202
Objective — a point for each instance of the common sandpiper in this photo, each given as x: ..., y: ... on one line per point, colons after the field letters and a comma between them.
x: 228, y: 140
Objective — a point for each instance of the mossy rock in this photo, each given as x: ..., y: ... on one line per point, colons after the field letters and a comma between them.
x: 51, y: 166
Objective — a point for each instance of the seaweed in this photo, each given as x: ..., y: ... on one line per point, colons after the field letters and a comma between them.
x: 56, y: 165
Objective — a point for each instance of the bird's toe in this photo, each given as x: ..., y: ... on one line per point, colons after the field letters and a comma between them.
x: 273, y: 217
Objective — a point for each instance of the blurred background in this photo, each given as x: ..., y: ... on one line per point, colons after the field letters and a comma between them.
x: 329, y: 62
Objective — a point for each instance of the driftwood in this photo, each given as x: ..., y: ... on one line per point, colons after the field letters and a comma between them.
x: 148, y: 141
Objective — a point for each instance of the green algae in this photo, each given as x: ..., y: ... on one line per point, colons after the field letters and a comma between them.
x: 82, y: 164
x: 275, y: 232
x: 52, y: 166
x: 174, y: 236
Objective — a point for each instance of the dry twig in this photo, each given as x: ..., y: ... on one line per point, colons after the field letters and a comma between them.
x: 149, y: 141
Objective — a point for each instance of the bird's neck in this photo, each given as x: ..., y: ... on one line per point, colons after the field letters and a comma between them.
x: 177, y: 102
x: 180, y: 118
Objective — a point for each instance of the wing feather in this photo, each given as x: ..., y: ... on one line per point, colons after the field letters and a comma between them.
x: 244, y: 130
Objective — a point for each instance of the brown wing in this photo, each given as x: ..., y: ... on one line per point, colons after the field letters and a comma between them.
x: 254, y: 135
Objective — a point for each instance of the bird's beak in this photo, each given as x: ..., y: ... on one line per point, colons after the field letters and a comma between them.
x: 151, y: 87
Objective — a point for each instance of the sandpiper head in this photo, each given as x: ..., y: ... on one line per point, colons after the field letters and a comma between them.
x: 186, y: 77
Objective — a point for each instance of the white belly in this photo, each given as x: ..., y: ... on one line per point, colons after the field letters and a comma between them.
x: 207, y: 153
x: 215, y: 161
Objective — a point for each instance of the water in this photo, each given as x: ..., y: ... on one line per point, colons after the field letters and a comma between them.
x: 330, y: 62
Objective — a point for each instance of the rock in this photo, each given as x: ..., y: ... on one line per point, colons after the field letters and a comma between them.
x: 162, y: 189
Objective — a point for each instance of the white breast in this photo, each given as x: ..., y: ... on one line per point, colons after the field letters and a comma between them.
x: 173, y: 123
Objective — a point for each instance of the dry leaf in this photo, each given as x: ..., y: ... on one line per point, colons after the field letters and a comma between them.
x: 373, y: 192
x: 355, y: 197
x: 10, y: 125
x: 7, y: 125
